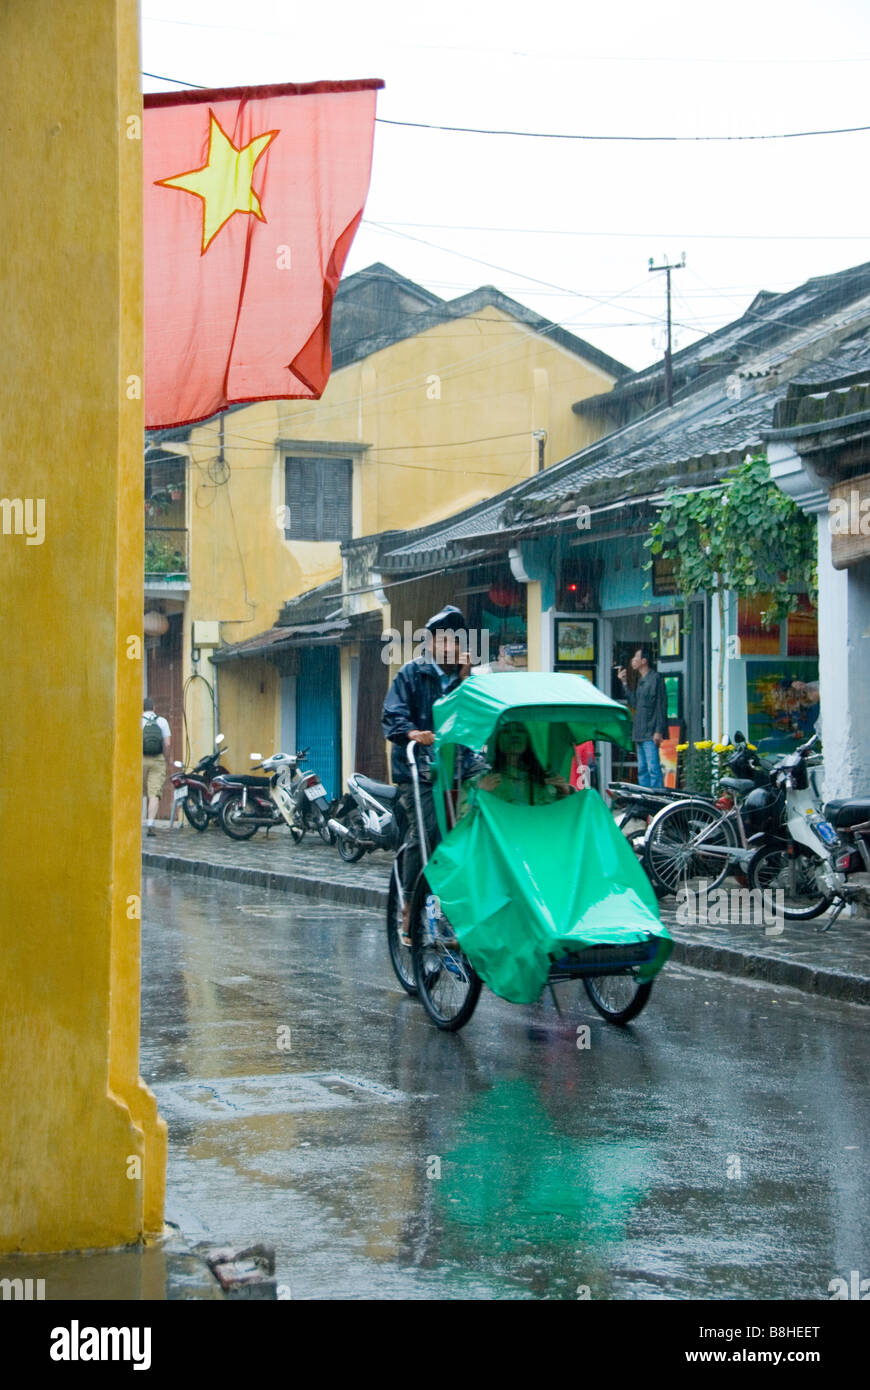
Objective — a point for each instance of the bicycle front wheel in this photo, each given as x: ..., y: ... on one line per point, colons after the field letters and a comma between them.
x: 447, y: 983
x: 686, y: 843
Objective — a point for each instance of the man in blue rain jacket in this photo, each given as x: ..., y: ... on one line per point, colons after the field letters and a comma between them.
x: 407, y: 717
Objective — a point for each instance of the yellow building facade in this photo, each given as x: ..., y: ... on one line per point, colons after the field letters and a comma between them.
x: 460, y: 401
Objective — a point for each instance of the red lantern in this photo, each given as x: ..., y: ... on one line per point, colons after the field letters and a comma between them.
x: 504, y: 595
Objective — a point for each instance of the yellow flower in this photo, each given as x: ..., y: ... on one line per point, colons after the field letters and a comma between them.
x: 753, y: 746
x: 681, y: 747
x: 720, y: 747
x: 708, y: 743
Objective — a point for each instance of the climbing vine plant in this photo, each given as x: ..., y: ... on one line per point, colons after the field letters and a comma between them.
x: 744, y: 536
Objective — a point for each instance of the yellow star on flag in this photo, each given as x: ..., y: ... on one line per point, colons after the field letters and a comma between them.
x: 224, y: 181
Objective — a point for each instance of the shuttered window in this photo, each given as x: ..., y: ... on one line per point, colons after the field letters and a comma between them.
x: 318, y: 494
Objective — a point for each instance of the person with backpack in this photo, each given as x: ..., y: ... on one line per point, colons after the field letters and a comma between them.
x: 155, y: 755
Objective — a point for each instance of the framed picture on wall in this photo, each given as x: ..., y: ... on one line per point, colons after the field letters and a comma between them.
x: 670, y: 637
x: 664, y: 576
x: 576, y: 641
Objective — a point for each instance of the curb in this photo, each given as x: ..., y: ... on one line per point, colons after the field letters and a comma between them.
x: 773, y: 970
x: 355, y: 895
x: 724, y: 960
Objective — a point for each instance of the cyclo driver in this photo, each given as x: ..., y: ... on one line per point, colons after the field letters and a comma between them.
x: 407, y: 716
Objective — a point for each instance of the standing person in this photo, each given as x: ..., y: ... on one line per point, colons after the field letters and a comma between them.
x: 155, y: 756
x: 648, y: 699
x: 407, y: 717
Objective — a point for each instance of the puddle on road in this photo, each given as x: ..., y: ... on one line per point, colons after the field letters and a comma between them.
x: 239, y: 1097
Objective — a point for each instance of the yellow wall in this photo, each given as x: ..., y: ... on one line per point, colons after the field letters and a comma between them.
x: 74, y: 1117
x: 250, y: 711
x: 413, y: 404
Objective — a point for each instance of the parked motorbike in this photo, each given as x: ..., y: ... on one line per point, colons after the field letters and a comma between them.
x: 765, y: 820
x: 850, y: 819
x: 366, y: 818
x: 284, y: 796
x: 196, y: 791
x: 813, y: 852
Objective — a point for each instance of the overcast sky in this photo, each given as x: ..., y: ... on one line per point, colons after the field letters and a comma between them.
x: 584, y: 217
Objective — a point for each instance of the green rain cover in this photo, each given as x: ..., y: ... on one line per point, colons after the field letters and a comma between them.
x: 522, y: 885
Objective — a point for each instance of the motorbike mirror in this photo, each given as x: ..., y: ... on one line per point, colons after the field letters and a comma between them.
x: 219, y: 739
x: 738, y: 737
x: 256, y: 757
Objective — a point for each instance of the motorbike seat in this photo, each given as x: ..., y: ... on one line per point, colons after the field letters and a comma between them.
x: 740, y: 785
x: 849, y: 810
x: 249, y: 779
x: 382, y: 790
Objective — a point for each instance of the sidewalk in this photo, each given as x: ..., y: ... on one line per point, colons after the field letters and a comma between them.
x: 835, y: 964
x: 167, y: 1270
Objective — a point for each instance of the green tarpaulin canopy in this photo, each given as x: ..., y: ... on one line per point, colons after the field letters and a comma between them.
x: 523, y: 885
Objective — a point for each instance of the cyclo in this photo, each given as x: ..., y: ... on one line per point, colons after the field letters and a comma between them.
x: 522, y: 896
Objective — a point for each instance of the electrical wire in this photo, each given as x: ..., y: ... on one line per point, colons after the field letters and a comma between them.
x: 562, y: 135
x: 642, y: 236
x: 625, y: 139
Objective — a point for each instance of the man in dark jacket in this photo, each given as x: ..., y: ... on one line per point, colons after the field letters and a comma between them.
x: 407, y: 718
x: 650, y: 705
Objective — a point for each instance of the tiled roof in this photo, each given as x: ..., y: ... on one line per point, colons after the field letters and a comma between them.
x: 704, y: 433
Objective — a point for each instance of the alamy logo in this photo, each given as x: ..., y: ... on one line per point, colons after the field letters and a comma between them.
x: 76, y: 1343
x: 23, y: 516
x: 22, y: 1288
x: 856, y: 1288
x: 412, y: 643
x: 850, y: 517
x: 723, y: 907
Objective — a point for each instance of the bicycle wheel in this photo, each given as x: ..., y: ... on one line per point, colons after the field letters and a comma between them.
x: 447, y: 983
x: 796, y: 873
x: 400, y: 956
x: 681, y: 843
x: 618, y: 998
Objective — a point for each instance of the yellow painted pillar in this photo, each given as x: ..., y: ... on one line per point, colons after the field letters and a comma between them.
x: 82, y: 1149
x: 534, y: 624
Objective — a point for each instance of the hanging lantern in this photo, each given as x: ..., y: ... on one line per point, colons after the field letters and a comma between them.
x: 155, y: 623
x: 504, y: 595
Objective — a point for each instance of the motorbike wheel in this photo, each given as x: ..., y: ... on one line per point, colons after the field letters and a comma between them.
x: 323, y: 829
x: 400, y: 956
x: 447, y: 983
x: 194, y: 809
x: 796, y: 875
x: 352, y: 851
x: 672, y: 855
x: 618, y: 998
x: 230, y: 823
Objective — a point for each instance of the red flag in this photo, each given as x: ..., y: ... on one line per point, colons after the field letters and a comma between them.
x: 252, y: 199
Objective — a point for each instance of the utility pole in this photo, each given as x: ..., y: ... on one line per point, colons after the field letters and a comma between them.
x: 667, y: 268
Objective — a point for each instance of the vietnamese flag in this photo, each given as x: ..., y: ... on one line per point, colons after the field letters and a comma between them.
x: 252, y: 199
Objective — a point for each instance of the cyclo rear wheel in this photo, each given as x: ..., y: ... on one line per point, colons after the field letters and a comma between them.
x: 618, y: 998
x: 400, y: 956
x: 447, y: 983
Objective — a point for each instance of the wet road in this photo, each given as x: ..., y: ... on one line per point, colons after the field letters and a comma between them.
x: 717, y: 1148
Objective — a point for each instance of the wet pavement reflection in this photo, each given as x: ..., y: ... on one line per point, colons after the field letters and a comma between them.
x: 717, y: 1148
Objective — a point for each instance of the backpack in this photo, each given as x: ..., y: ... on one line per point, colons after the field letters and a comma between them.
x: 152, y: 737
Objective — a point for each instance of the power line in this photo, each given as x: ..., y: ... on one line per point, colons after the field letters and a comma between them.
x: 562, y: 135
x: 505, y: 270
x: 643, y: 236
x: 629, y: 139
